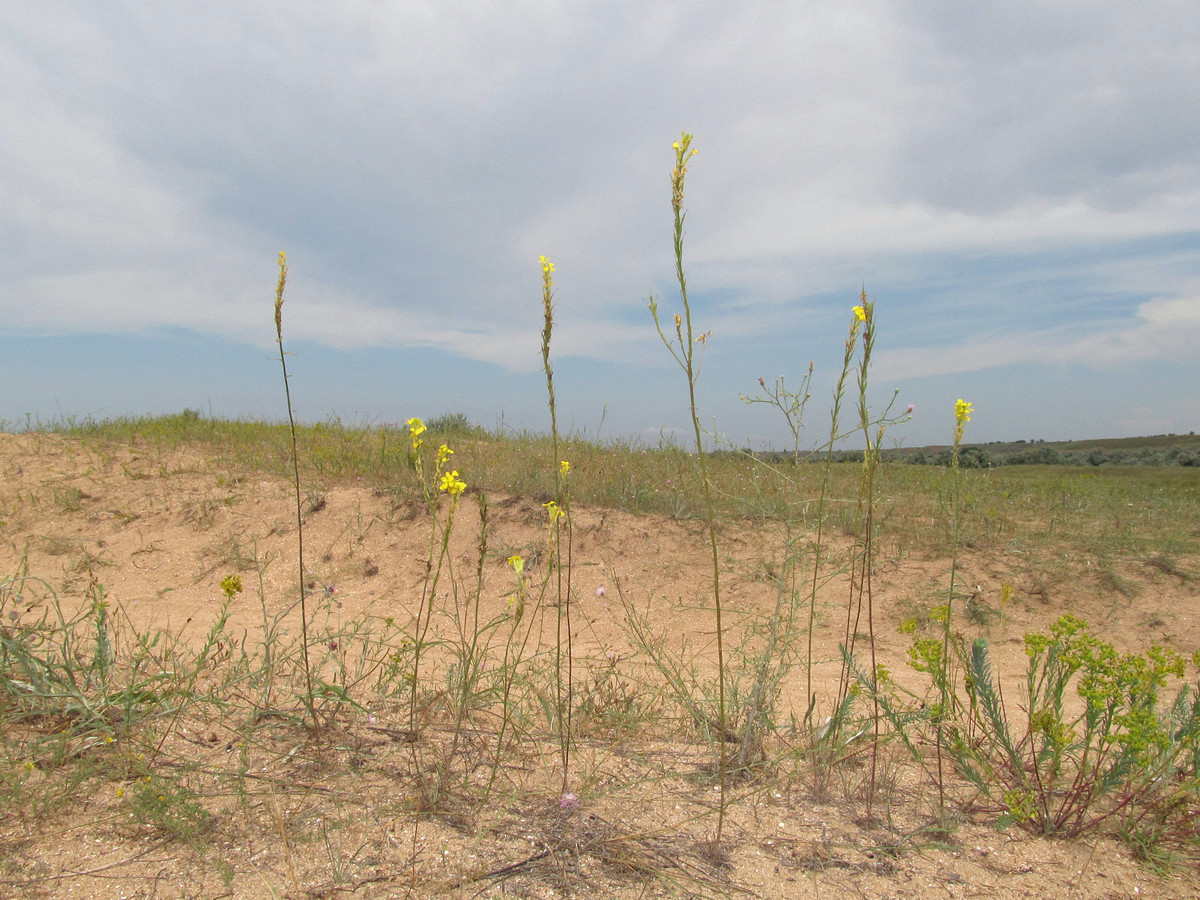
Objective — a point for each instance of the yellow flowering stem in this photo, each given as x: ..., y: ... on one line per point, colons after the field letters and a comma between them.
x: 962, y: 415
x: 308, y: 688
x: 558, y: 509
x: 439, y: 550
x: 685, y: 356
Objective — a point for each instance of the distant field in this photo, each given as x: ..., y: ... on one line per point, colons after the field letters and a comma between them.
x: 1152, y: 450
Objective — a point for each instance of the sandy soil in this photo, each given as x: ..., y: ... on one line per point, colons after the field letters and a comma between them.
x: 327, y: 817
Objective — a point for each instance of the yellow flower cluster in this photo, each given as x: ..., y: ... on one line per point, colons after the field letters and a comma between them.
x: 230, y: 585
x: 962, y: 415
x: 683, y: 153
x: 415, y: 429
x: 547, y: 276
x: 452, y: 484
x: 860, y: 314
x: 962, y: 412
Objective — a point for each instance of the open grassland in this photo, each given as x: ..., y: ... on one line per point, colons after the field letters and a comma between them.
x: 240, y: 659
x: 159, y: 740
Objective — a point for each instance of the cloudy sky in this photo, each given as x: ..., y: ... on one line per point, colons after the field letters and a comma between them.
x: 1017, y: 185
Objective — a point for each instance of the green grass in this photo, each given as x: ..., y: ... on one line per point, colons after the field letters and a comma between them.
x: 1116, y: 510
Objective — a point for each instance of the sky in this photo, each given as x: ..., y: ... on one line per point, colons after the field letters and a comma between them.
x: 1016, y: 186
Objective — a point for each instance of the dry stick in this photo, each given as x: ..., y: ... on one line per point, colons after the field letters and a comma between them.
x: 308, y: 688
x: 89, y: 873
x: 287, y: 846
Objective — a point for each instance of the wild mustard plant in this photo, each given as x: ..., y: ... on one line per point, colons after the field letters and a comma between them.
x: 824, y: 741
x: 471, y: 633
x: 309, y: 703
x: 863, y: 561
x: 560, y: 518
x: 962, y: 415
x: 444, y: 481
x: 839, y: 393
x: 683, y: 349
x: 520, y: 629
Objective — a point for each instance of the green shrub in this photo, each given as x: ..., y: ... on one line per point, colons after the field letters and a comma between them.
x: 1065, y: 765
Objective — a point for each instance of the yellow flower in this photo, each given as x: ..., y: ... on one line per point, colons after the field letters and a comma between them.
x: 443, y: 454
x: 554, y: 510
x: 279, y: 295
x: 517, y: 562
x: 675, y: 146
x: 230, y: 585
x: 564, y: 467
x: 962, y: 412
x: 860, y: 314
x: 452, y: 485
x: 415, y: 429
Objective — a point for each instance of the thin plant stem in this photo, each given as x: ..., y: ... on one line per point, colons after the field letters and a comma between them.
x: 686, y: 357
x: 834, y: 434
x: 470, y: 660
x: 559, y: 515
x: 439, y: 538
x: 962, y: 415
x: 308, y: 687
x: 870, y: 466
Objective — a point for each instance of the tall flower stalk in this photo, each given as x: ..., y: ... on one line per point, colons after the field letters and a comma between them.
x: 962, y: 415
x: 683, y: 349
x: 308, y: 687
x: 445, y: 481
x: 839, y: 393
x: 560, y: 515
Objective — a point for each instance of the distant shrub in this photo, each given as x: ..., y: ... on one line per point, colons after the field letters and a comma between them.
x: 452, y: 422
x: 975, y: 458
x: 1183, y: 456
x: 1035, y: 456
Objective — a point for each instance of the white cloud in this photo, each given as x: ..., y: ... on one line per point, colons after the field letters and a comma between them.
x: 1165, y: 330
x: 415, y: 159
